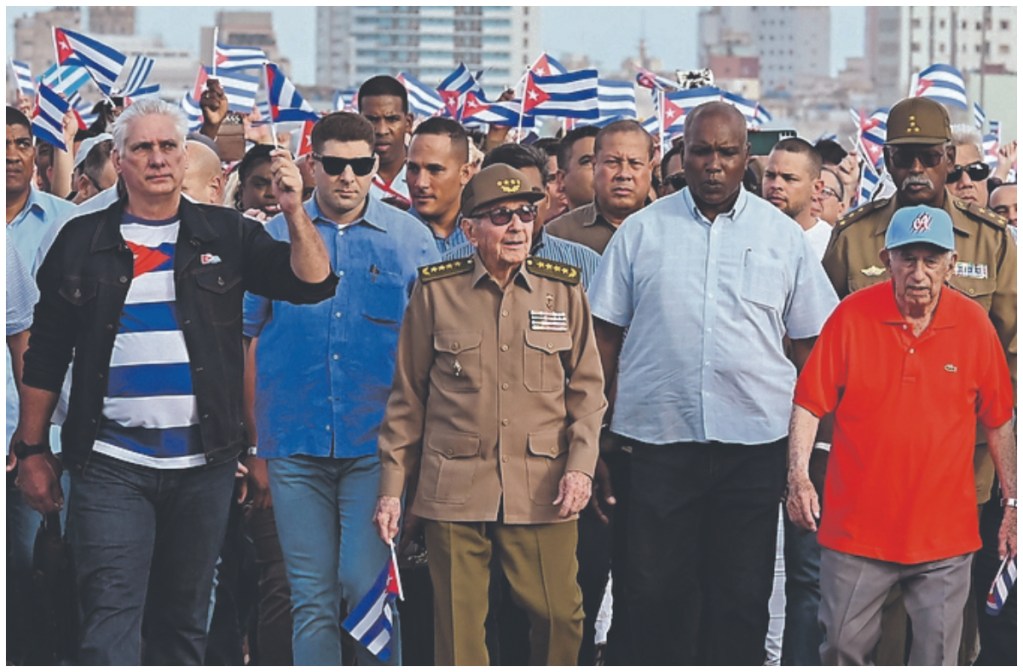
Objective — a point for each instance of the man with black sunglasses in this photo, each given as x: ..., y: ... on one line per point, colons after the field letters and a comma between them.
x: 496, y: 408
x: 920, y: 156
x: 323, y: 373
x: 968, y: 178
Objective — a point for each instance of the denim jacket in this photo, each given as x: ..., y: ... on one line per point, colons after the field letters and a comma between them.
x: 84, y: 280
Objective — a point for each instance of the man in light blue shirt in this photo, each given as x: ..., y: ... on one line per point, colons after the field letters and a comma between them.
x: 323, y: 375
x: 708, y: 282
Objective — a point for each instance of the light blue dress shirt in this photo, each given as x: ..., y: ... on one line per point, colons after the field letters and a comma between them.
x: 22, y: 295
x: 550, y: 248
x: 37, y: 222
x: 324, y: 371
x: 444, y: 245
x: 707, y: 305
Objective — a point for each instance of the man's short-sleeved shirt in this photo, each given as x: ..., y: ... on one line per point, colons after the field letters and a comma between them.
x: 584, y: 225
x: 707, y: 305
x: 42, y: 215
x: 900, y: 484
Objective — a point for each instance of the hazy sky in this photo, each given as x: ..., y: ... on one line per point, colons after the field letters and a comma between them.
x: 607, y: 34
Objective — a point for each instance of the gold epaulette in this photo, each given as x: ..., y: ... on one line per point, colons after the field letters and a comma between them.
x: 445, y: 269
x: 861, y: 212
x: 545, y: 268
x: 979, y: 212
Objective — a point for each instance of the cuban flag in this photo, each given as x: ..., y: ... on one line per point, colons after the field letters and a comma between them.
x: 239, y: 87
x: 503, y: 113
x: 747, y: 107
x: 615, y: 100
x: 942, y: 83
x: 103, y: 62
x: 346, y: 100
x: 762, y: 116
x: 455, y: 87
x: 870, y: 183
x: 572, y: 95
x: 423, y: 100
x: 873, y: 132
x: 1003, y: 584
x: 83, y: 110
x: 371, y: 621
x: 286, y: 104
x: 979, y: 117
x: 678, y: 104
x: 23, y: 75
x: 990, y: 143
x: 193, y: 111
x: 546, y: 65
x: 654, y: 82
x: 995, y: 127
x: 228, y: 58
x: 135, y: 84
x: 65, y: 79
x: 48, y: 117
x: 651, y: 126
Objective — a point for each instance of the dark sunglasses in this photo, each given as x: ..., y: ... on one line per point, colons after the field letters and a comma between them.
x: 904, y: 157
x: 977, y: 171
x: 676, y: 180
x: 335, y: 165
x: 501, y: 216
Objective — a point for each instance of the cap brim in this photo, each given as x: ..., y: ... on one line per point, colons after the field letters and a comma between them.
x: 916, y: 140
x: 531, y: 196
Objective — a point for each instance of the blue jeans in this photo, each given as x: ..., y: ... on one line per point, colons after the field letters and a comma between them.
x: 145, y: 542
x: 324, y: 511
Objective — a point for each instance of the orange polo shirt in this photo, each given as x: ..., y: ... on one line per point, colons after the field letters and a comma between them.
x: 900, y: 485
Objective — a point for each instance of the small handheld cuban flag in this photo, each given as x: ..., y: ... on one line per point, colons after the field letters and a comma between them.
x: 228, y: 57
x: 286, y: 104
x: 1004, y: 581
x: 23, y: 75
x: 102, y: 61
x: 48, y: 117
x: 371, y: 622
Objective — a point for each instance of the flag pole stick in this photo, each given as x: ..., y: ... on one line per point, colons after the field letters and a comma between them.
x: 660, y: 118
x: 269, y: 104
x: 216, y: 32
x: 397, y: 574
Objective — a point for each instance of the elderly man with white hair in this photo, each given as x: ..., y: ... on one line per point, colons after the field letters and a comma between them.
x: 147, y: 293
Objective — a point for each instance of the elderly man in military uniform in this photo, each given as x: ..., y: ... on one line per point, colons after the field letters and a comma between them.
x: 496, y: 409
x: 919, y: 155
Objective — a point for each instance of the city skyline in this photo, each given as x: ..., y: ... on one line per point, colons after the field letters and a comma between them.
x: 563, y: 31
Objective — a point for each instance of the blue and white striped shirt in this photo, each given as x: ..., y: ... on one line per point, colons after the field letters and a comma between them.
x: 150, y: 416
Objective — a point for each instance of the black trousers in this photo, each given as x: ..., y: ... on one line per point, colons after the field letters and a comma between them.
x: 702, y: 535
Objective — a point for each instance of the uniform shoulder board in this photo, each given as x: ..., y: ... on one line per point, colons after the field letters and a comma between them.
x: 570, y: 275
x: 977, y: 211
x: 861, y: 212
x: 445, y: 269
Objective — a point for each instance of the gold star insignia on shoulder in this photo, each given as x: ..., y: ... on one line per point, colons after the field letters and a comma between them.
x: 564, y: 272
x: 445, y: 270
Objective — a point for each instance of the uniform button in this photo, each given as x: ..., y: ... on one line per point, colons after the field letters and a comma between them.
x: 504, y: 313
x: 504, y: 386
x: 456, y: 345
x: 448, y: 452
x: 123, y: 279
x: 505, y: 422
x: 336, y: 356
x: 504, y: 347
x: 504, y: 458
x: 550, y: 346
x: 971, y: 291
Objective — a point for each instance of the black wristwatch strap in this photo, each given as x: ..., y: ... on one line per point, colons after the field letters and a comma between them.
x: 23, y: 450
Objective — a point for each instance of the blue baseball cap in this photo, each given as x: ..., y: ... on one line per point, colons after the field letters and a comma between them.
x: 920, y: 224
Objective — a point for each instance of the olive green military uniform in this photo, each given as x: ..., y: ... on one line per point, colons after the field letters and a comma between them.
x: 498, y: 392
x: 584, y: 225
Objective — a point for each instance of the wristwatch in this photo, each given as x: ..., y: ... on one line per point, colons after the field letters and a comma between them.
x: 1010, y: 501
x: 23, y: 450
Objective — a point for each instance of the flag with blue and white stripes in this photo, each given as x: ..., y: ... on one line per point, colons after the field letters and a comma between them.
x: 455, y: 88
x: 423, y: 100
x: 572, y: 95
x: 501, y: 113
x: 286, y: 103
x: 944, y: 84
x: 371, y: 621
x: 102, y: 61
x: 616, y: 99
x: 48, y: 117
x: 1004, y: 582
x: 990, y: 147
x: 23, y: 75
x: 135, y: 84
x: 229, y: 58
x: 995, y: 127
x: 83, y: 110
x: 979, y: 117
x: 65, y: 79
x: 239, y: 87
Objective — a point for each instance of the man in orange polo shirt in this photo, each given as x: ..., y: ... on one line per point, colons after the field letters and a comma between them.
x: 908, y: 367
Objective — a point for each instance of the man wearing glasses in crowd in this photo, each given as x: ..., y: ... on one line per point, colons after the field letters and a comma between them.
x: 322, y: 379
x: 922, y: 159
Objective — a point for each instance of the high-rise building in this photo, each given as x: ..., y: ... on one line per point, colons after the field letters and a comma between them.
x: 355, y: 43
x: 112, y: 20
x: 793, y: 44
x: 33, y: 35
x: 243, y: 29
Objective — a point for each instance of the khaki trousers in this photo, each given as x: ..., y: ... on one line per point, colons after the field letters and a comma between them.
x: 540, y: 564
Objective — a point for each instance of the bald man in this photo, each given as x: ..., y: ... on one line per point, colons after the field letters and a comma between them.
x: 204, y: 178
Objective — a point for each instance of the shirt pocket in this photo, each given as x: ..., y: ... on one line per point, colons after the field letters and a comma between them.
x: 449, y: 467
x: 763, y: 281
x: 77, y: 290
x: 458, y: 363
x: 545, y: 465
x: 383, y: 299
x: 542, y: 369
x: 219, y: 294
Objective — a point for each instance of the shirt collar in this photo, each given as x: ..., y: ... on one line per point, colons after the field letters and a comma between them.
x: 479, y: 271
x: 372, y: 216
x: 33, y: 204
x: 737, y: 208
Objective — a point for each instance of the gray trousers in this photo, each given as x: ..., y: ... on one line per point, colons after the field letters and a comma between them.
x: 853, y: 589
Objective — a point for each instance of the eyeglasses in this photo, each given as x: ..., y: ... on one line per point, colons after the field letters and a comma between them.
x: 501, y: 216
x: 676, y: 180
x: 904, y: 157
x: 828, y: 191
x: 335, y: 165
x: 977, y: 171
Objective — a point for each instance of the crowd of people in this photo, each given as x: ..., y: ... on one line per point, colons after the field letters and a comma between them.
x: 552, y: 376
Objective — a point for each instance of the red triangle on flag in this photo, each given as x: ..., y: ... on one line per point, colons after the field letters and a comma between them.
x: 672, y: 112
x: 305, y: 145
x: 922, y: 86
x: 473, y: 105
x: 532, y: 95
x: 200, y: 84
x: 451, y: 101
x: 64, y: 50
